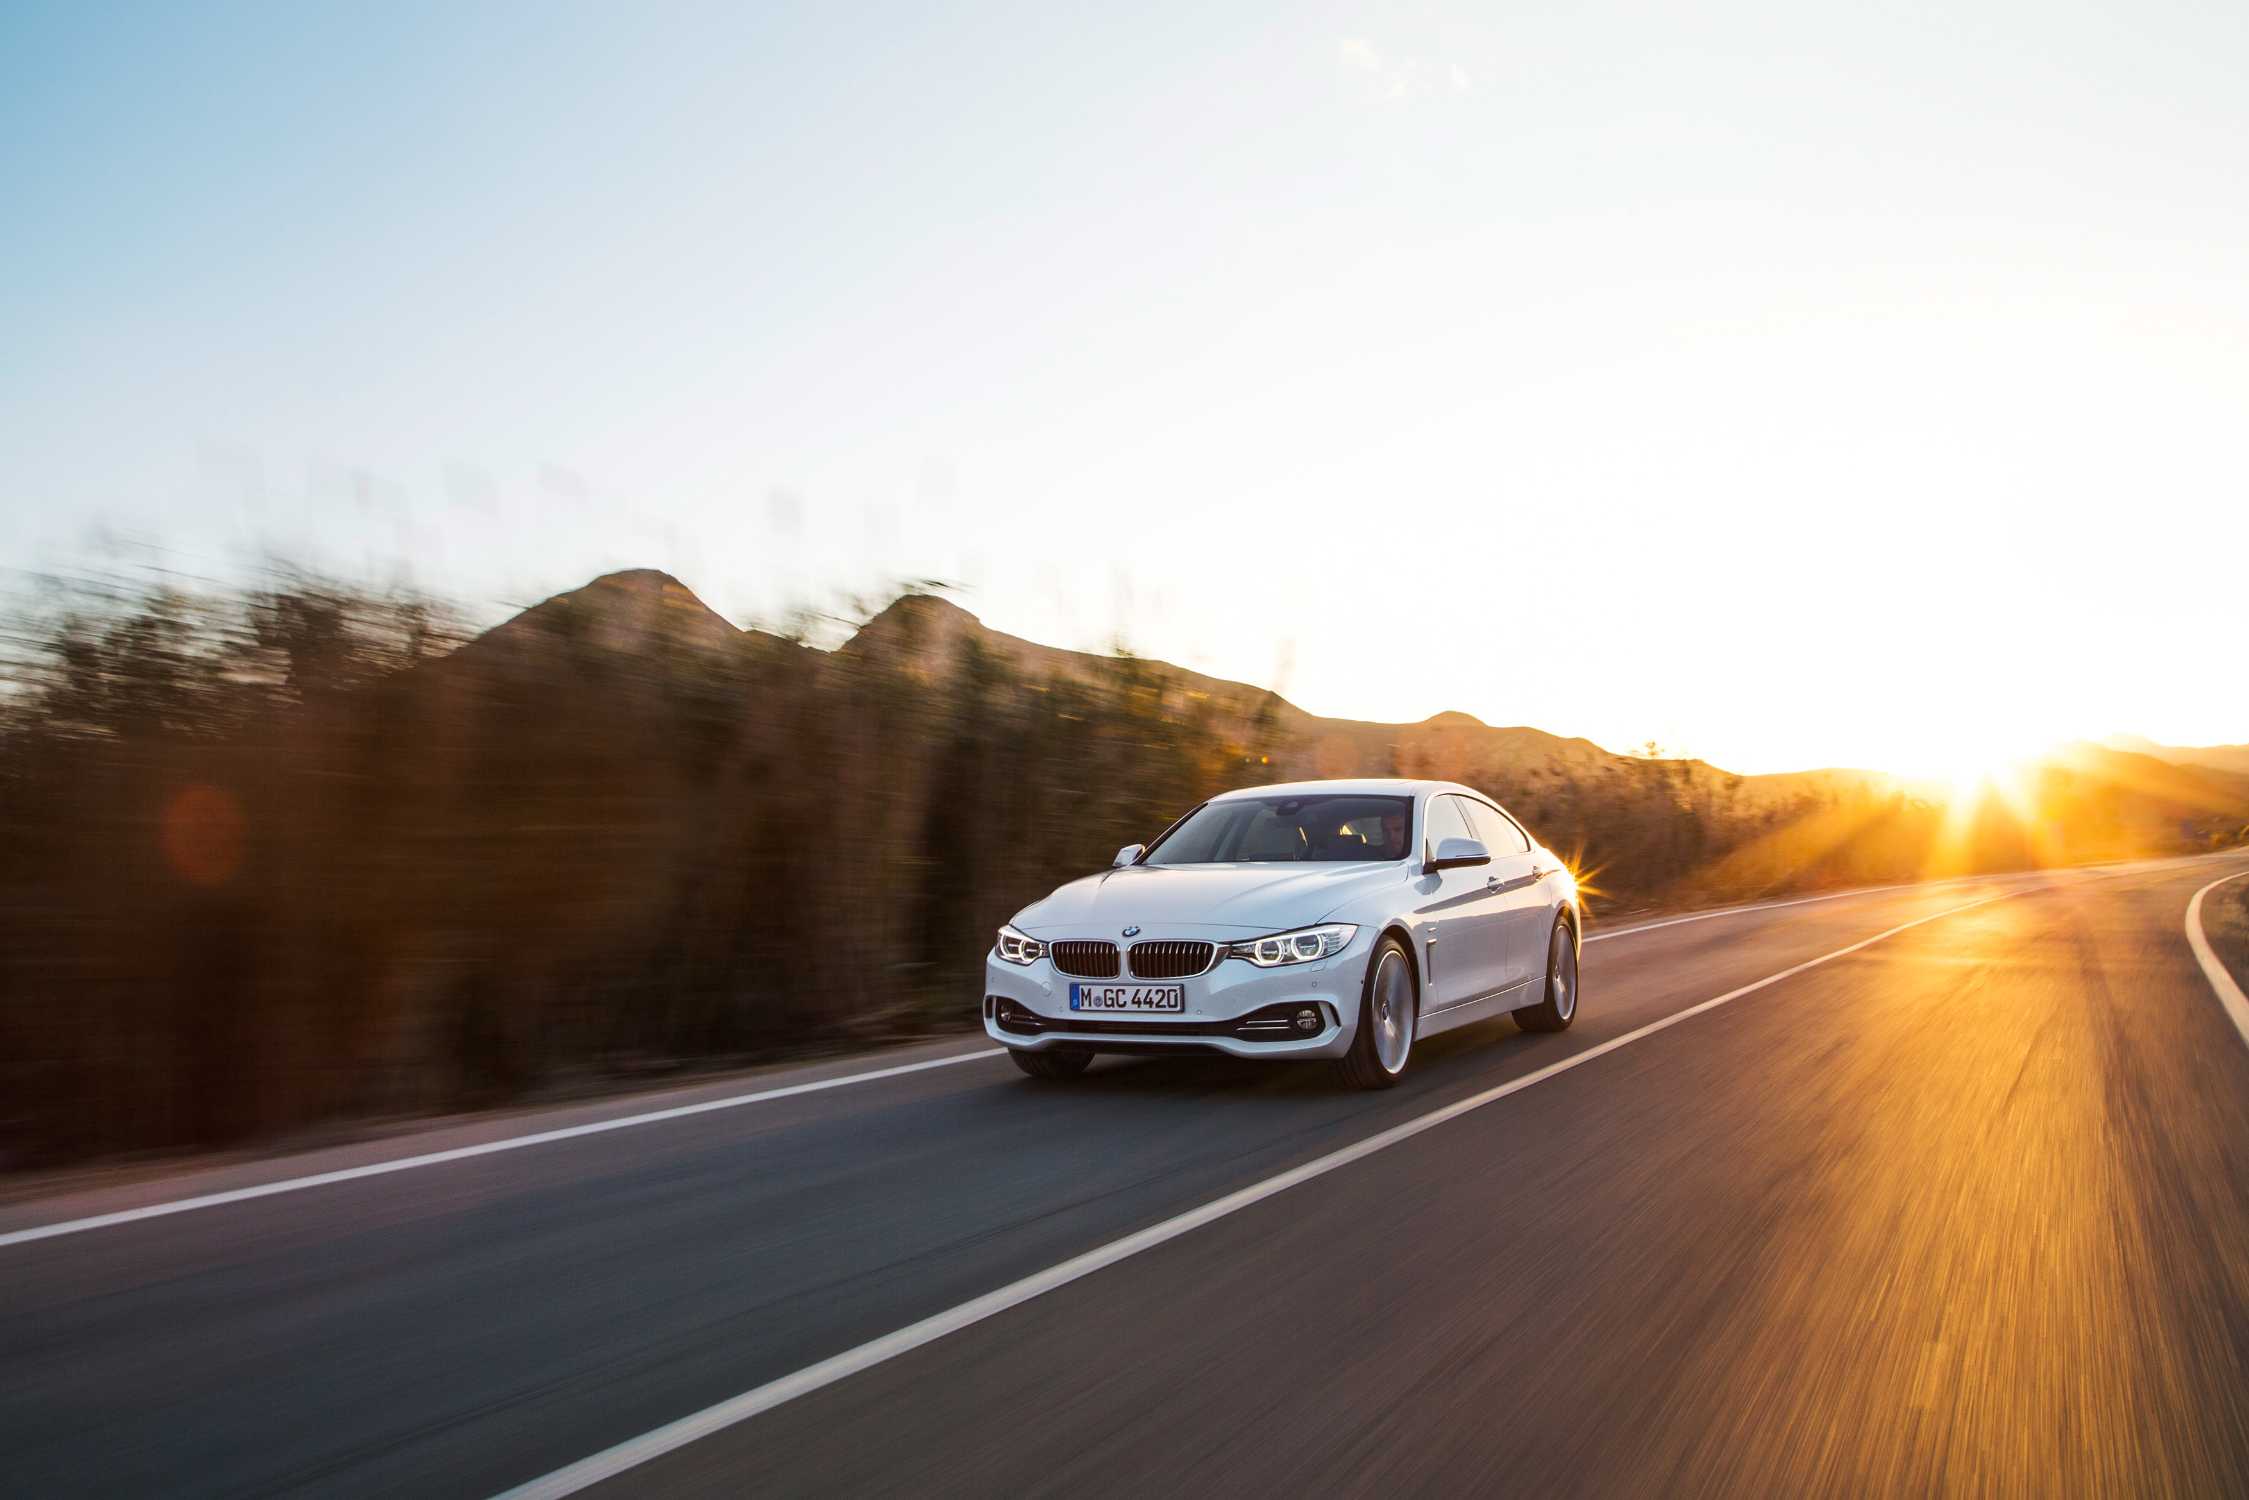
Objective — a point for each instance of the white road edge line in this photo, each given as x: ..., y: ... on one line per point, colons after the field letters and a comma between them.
x: 675, y: 1435
x: 2229, y: 993
x: 484, y: 1148
x: 623, y: 1122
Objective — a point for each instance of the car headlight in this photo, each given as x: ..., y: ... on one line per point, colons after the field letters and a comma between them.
x: 1019, y: 947
x: 1302, y: 946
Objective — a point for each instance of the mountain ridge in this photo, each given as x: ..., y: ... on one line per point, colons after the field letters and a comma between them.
x: 646, y: 609
x: 2229, y: 758
x: 929, y: 636
x: 924, y: 631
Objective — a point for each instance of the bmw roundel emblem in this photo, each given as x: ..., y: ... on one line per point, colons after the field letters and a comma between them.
x: 1132, y: 932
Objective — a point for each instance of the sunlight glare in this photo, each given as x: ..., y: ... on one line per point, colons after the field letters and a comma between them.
x: 1968, y: 767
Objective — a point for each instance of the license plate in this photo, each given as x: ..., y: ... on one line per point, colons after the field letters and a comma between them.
x: 1130, y: 997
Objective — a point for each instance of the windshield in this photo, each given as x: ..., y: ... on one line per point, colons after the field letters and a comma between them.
x: 1251, y: 830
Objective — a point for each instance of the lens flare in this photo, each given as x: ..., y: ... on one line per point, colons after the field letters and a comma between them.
x: 202, y: 835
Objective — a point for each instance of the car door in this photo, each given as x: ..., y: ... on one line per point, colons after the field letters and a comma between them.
x: 1464, y: 938
x: 1520, y: 910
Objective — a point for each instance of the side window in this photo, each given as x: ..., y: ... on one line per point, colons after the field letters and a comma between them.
x: 1445, y: 822
x: 1497, y: 830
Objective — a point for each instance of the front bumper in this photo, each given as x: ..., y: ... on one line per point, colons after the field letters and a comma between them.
x: 1217, y: 1001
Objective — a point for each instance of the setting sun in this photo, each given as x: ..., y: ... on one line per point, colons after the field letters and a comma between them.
x: 1967, y: 756
x: 1967, y: 771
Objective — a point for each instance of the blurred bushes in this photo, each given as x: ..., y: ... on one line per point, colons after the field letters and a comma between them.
x: 307, y: 853
x: 290, y: 856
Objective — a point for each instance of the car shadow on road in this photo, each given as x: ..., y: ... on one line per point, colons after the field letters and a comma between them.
x: 1437, y: 1062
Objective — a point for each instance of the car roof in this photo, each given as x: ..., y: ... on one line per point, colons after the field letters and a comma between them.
x: 1369, y: 786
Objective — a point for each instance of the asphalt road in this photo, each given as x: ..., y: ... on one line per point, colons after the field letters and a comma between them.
x: 1965, y: 1209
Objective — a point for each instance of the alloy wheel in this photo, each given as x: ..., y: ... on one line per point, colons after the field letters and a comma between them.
x: 1561, y: 974
x: 1393, y: 1013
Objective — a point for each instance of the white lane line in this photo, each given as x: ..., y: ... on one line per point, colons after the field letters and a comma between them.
x: 486, y: 1148
x: 623, y: 1122
x: 1743, y: 911
x: 1864, y: 890
x: 2229, y: 993
x: 515, y: 1143
x: 675, y: 1435
x: 2101, y: 872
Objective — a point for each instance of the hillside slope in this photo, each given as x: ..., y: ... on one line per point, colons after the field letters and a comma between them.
x: 278, y: 862
x: 2233, y: 759
x: 929, y: 635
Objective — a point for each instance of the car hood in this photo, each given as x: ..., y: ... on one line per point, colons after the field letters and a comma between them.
x: 1251, y: 898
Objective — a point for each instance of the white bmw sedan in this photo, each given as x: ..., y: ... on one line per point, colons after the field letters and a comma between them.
x: 1321, y: 919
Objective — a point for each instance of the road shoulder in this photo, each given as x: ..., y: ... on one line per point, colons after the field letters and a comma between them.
x: 73, y: 1193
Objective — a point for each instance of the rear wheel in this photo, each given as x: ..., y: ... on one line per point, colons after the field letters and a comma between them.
x: 1052, y: 1064
x: 1558, y: 1007
x: 1389, y: 1012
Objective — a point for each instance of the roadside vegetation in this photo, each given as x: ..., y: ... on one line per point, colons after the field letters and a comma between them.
x: 304, y: 854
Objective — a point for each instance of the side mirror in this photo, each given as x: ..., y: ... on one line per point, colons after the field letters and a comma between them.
x: 1453, y: 853
x: 1126, y: 856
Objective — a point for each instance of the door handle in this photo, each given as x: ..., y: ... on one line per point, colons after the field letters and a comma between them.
x: 1538, y: 874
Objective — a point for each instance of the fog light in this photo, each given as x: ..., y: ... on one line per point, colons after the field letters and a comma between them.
x: 1013, y: 1017
x: 1308, y: 1019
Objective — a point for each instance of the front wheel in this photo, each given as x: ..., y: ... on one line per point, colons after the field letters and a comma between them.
x: 1389, y: 1011
x: 1051, y: 1064
x: 1558, y: 1007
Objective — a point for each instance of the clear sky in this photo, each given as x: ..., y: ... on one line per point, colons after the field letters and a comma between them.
x: 1791, y: 383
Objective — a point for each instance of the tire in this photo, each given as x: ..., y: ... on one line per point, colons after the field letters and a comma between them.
x: 1389, y: 1017
x: 1558, y: 1006
x: 1053, y: 1065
